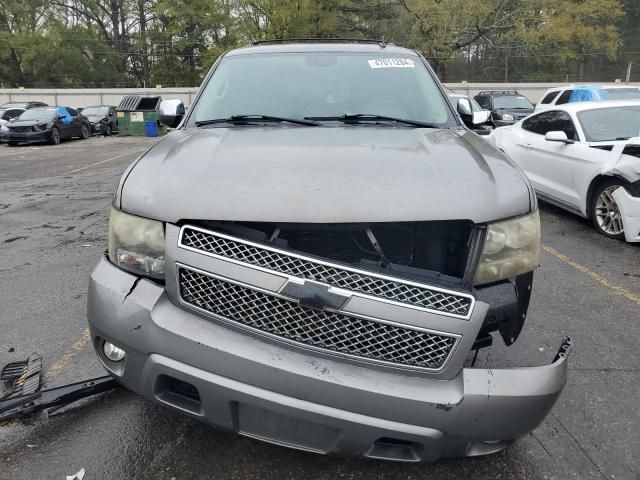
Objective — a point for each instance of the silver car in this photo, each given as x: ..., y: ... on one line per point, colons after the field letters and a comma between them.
x: 312, y: 257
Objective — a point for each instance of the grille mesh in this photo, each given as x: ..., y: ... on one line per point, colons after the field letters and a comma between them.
x: 19, y: 129
x: 303, y: 268
x: 327, y: 330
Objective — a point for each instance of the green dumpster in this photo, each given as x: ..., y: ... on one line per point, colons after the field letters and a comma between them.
x: 132, y: 113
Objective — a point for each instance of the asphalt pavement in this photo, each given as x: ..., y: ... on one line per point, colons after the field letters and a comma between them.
x: 53, y: 217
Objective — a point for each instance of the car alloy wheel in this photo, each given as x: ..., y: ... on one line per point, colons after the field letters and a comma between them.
x: 607, y: 213
x: 55, y: 136
x: 85, y: 131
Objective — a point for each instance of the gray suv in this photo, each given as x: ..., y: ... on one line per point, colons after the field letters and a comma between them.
x: 312, y: 257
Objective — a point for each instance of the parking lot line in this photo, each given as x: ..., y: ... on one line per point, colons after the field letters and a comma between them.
x: 596, y: 276
x: 65, y: 360
x: 102, y: 161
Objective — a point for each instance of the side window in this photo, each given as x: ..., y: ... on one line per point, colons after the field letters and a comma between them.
x: 561, y: 121
x: 537, y: 123
x: 564, y: 97
x: 549, y: 97
x: 551, y: 122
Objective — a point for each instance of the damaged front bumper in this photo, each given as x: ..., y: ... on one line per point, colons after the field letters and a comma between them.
x: 294, y: 397
x: 630, y: 211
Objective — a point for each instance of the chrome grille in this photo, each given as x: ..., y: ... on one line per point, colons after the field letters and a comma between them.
x: 339, y: 333
x: 339, y: 276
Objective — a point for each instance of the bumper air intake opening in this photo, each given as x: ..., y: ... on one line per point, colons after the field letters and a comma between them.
x: 179, y: 394
x: 395, y: 450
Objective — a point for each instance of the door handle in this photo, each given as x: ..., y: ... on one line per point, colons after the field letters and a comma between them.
x: 527, y: 145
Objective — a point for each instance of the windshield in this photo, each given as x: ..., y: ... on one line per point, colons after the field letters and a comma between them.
x: 508, y: 102
x: 608, y: 124
x: 95, y: 111
x: 38, y: 114
x: 631, y: 93
x: 322, y: 84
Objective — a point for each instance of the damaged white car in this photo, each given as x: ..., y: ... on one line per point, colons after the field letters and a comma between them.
x: 585, y: 158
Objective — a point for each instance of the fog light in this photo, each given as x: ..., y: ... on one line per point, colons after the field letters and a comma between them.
x: 112, y: 352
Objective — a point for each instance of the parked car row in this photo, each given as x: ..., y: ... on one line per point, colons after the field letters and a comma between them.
x: 28, y: 122
x: 586, y: 93
x: 585, y: 158
x: 579, y: 146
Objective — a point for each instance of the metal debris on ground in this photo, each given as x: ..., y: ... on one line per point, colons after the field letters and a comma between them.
x: 77, y: 476
x: 20, y: 392
x: 54, y: 397
x: 21, y: 378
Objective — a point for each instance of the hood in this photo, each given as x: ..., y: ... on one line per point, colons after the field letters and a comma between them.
x: 27, y: 123
x: 324, y: 175
x: 95, y: 118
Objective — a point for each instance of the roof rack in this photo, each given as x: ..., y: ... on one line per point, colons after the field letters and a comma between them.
x: 380, y: 42
x: 489, y: 92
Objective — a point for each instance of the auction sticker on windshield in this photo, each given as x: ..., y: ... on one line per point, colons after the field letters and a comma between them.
x: 392, y: 63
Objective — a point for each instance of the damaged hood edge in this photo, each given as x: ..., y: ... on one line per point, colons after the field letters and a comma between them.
x: 324, y: 175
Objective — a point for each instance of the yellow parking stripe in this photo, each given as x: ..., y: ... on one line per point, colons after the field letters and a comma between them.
x: 596, y: 276
x: 68, y: 357
x: 103, y: 161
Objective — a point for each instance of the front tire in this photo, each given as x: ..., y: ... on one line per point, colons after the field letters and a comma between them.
x: 107, y: 131
x: 84, y: 131
x: 55, y: 136
x: 604, y: 211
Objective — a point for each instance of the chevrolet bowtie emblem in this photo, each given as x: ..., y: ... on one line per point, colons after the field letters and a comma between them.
x: 314, y: 294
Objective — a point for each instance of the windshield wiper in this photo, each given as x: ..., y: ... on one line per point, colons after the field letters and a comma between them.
x: 368, y: 117
x: 247, y: 119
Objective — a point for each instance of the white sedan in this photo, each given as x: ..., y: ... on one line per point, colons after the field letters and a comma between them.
x: 583, y: 157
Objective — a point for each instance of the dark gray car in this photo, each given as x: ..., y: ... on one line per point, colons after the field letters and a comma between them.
x: 102, y: 118
x: 312, y: 257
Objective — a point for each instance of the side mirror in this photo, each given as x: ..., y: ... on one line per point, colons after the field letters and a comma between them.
x: 481, y: 117
x: 464, y: 107
x: 557, y: 136
x: 171, y: 112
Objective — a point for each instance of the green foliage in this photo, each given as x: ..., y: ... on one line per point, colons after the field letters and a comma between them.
x: 89, y: 43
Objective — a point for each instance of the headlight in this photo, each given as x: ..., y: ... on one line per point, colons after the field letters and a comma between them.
x: 511, y: 248
x: 506, y: 116
x: 136, y: 244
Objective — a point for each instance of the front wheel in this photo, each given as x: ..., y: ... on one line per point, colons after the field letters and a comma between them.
x: 604, y: 211
x: 84, y: 132
x: 107, y: 130
x: 55, y: 136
